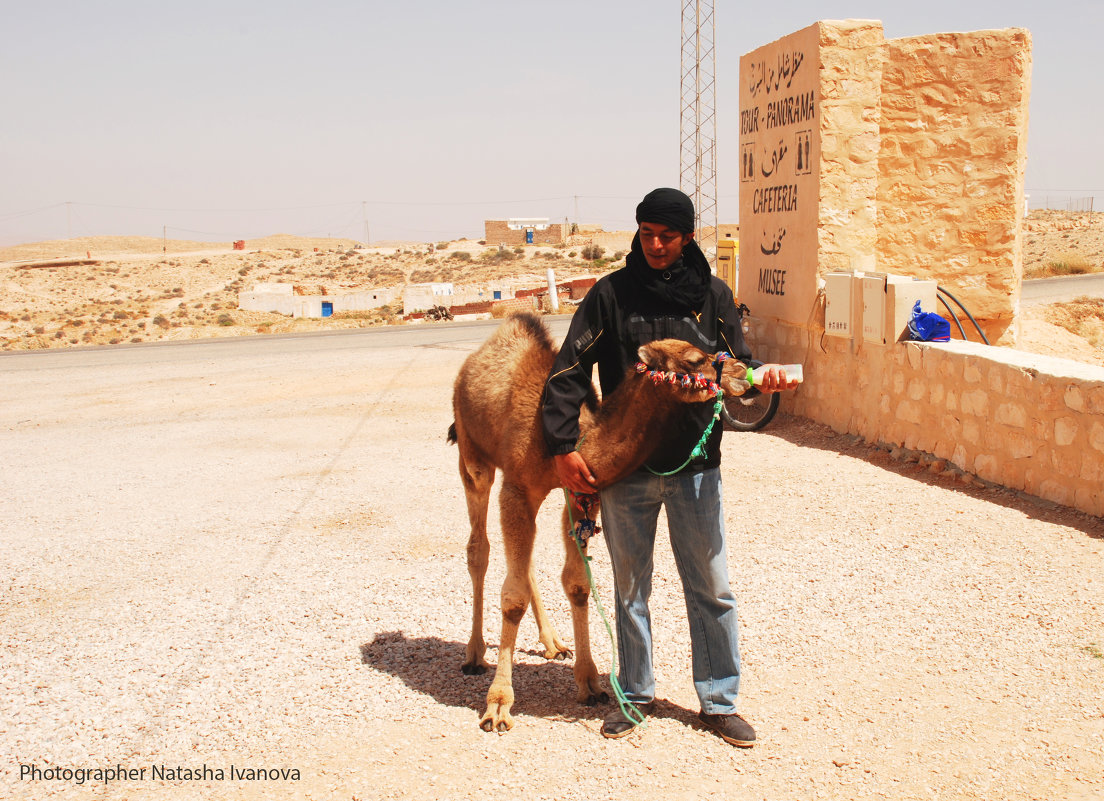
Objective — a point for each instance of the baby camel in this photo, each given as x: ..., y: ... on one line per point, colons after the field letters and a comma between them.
x: 496, y: 404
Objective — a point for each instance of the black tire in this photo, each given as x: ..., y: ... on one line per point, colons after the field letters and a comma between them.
x: 749, y: 413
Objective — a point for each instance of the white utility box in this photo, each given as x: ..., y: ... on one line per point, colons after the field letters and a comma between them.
x: 873, y: 306
x: 901, y: 296
x: 839, y: 309
x: 888, y: 301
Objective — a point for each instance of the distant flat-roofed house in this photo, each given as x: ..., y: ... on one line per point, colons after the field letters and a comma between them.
x: 524, y: 231
x: 283, y: 299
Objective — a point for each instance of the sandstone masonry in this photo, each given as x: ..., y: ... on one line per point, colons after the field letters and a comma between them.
x: 914, y: 166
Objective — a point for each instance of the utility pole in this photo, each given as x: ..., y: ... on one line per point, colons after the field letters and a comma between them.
x: 698, y: 119
x: 364, y: 216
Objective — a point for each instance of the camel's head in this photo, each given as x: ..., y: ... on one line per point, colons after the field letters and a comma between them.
x: 674, y: 362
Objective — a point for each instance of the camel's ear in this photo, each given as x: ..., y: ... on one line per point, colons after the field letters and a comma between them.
x: 647, y: 355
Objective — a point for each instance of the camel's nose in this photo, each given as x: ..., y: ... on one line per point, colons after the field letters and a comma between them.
x: 737, y: 385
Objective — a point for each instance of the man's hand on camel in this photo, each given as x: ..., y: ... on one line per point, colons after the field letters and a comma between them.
x: 775, y: 380
x: 573, y: 473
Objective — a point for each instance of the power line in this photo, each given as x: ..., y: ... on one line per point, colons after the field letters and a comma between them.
x: 350, y: 203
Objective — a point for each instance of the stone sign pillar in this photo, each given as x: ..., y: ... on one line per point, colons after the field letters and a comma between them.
x: 808, y: 163
x: 903, y: 157
x: 779, y: 172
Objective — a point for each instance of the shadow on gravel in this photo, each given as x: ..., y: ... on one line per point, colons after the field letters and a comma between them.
x: 431, y: 665
x: 810, y: 434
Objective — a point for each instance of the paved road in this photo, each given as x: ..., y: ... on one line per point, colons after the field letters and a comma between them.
x: 1055, y: 290
x: 291, y: 345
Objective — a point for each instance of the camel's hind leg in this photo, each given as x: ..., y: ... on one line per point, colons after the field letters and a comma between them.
x: 554, y: 647
x: 477, y: 476
x: 577, y: 587
x: 519, y: 529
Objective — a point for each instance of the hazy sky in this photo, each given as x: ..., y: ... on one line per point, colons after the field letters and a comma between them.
x: 226, y: 119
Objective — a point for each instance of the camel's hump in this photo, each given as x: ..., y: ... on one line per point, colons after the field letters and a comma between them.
x: 531, y: 325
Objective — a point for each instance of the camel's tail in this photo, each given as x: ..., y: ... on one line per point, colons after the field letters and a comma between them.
x: 451, y: 438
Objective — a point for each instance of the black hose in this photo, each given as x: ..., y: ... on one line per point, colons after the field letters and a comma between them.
x: 954, y: 316
x: 984, y: 338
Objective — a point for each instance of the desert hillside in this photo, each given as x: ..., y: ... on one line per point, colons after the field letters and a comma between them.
x: 113, y: 290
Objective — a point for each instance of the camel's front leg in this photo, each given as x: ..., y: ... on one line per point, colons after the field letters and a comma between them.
x: 478, y: 554
x: 577, y: 588
x: 519, y: 529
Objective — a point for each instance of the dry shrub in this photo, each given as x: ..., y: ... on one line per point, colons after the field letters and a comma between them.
x: 423, y: 276
x: 387, y: 276
x: 1063, y: 264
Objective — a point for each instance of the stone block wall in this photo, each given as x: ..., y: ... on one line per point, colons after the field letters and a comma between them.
x: 919, y: 150
x: 1031, y: 423
x: 953, y: 132
x: 504, y: 308
x: 851, y: 54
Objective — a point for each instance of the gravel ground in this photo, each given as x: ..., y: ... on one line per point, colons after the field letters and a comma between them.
x: 216, y: 555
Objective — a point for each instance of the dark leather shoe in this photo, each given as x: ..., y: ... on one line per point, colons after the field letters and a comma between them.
x: 733, y: 729
x: 617, y: 724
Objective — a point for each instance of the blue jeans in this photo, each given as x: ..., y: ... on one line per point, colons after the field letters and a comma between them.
x: 695, y: 517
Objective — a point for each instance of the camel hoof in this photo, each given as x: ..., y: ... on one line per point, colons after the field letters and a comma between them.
x: 566, y: 653
x: 470, y: 669
x: 595, y: 699
x: 502, y: 725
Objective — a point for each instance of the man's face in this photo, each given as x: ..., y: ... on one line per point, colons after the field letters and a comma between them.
x: 662, y: 245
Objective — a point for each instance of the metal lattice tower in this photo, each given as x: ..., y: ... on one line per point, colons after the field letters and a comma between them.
x: 698, y: 128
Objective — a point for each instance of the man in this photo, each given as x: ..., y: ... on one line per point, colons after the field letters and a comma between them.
x: 665, y: 290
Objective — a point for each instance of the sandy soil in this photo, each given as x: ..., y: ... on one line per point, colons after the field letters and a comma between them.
x: 1052, y: 237
x: 226, y: 555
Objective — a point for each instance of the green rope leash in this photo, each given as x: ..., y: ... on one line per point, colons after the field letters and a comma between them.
x: 628, y: 709
x: 699, y: 449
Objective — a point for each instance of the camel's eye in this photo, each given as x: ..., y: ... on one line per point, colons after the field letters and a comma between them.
x: 696, y: 362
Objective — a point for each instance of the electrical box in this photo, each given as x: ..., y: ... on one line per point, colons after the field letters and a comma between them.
x: 901, y: 296
x: 873, y: 306
x: 727, y: 251
x: 888, y: 301
x: 840, y: 311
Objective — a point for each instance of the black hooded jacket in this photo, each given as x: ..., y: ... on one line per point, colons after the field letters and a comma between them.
x: 617, y: 316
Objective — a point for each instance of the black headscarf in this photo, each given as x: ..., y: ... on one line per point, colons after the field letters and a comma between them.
x: 668, y: 207
x: 685, y: 284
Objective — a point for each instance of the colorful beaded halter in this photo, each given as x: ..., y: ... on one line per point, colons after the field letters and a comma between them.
x: 687, y: 380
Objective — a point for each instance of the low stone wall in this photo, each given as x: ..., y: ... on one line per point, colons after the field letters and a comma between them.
x: 1028, y: 422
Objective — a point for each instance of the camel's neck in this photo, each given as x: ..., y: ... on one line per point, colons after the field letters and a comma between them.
x: 626, y: 428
